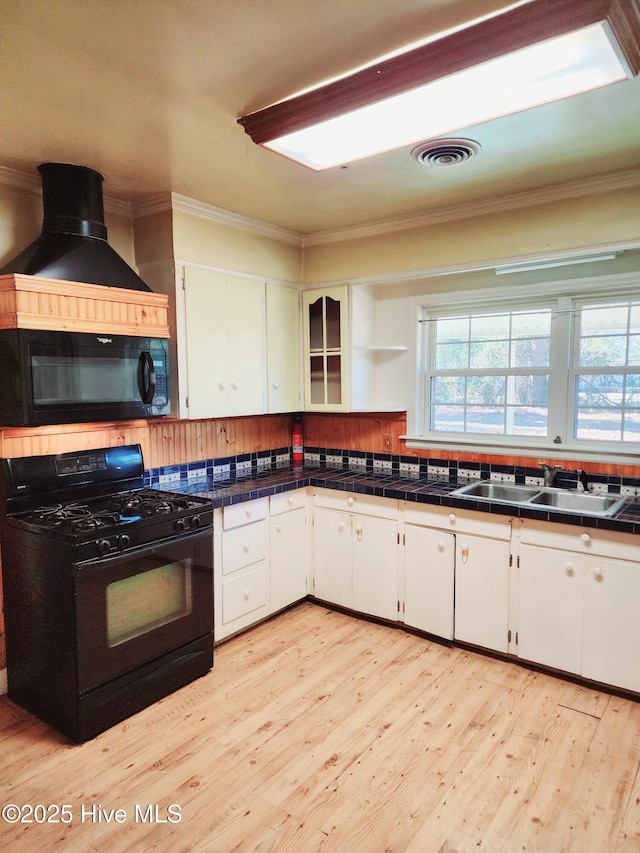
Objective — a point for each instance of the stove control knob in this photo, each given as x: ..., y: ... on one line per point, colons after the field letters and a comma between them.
x: 103, y: 545
x: 195, y: 522
x: 124, y: 541
x: 180, y: 525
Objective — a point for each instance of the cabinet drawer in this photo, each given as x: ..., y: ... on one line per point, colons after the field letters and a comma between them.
x: 244, y: 546
x: 246, y: 593
x: 356, y: 503
x: 287, y: 501
x: 458, y: 521
x: 243, y: 513
x: 586, y: 540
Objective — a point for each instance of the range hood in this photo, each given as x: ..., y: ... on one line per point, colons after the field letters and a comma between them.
x: 73, y: 244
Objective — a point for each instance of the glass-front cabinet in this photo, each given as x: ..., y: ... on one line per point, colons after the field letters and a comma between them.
x: 326, y: 349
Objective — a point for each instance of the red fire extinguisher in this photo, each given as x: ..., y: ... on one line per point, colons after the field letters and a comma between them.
x: 296, y: 441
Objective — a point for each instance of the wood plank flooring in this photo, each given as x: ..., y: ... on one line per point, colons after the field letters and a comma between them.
x: 317, y: 731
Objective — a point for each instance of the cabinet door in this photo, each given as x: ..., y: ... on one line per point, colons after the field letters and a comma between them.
x: 550, y: 608
x: 332, y: 559
x: 289, y: 563
x: 375, y: 566
x: 283, y: 349
x: 326, y: 348
x: 246, y: 346
x: 224, y: 344
x: 611, y: 635
x: 482, y: 592
x: 429, y: 560
x: 205, y: 340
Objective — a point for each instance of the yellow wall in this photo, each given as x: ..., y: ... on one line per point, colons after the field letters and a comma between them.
x: 566, y: 224
x: 202, y: 240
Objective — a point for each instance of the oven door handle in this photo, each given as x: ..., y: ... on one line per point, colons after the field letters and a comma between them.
x: 146, y: 377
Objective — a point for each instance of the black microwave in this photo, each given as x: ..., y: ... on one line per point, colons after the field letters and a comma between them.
x: 75, y: 377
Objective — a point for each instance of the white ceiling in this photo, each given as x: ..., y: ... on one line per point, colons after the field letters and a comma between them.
x: 148, y: 92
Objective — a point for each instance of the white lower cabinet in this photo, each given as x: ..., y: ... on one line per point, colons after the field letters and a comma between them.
x: 289, y: 552
x: 241, y: 570
x: 355, y: 552
x: 429, y: 571
x: 578, y: 599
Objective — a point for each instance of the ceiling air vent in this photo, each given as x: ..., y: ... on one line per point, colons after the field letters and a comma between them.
x: 445, y: 152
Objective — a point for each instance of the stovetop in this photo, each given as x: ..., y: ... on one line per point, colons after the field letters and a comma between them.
x: 77, y: 518
x: 105, y: 525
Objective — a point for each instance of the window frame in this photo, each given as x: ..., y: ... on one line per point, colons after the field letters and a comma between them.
x: 566, y: 296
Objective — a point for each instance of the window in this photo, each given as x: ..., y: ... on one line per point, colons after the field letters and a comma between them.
x: 562, y: 370
x: 606, y: 372
x: 491, y: 373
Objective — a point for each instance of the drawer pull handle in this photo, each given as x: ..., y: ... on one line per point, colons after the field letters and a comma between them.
x: 350, y: 501
x: 452, y: 517
x: 290, y: 501
x: 586, y: 538
x: 359, y: 532
x: 465, y: 553
x: 597, y: 573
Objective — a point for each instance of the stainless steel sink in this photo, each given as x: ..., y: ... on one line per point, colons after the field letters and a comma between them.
x: 501, y: 492
x: 581, y: 502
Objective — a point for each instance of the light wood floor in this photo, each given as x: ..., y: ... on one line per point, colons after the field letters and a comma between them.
x: 317, y: 731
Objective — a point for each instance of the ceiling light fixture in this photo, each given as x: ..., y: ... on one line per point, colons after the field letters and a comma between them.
x: 530, y: 55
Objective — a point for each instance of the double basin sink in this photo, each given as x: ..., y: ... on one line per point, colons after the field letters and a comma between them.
x: 545, y: 497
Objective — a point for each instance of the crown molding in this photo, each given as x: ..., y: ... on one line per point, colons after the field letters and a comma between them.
x: 236, y: 220
x: 570, y: 189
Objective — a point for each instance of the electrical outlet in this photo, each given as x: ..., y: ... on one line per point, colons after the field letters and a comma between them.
x: 312, y: 459
x: 503, y: 478
x: 264, y: 462
x: 534, y: 481
x: 334, y: 461
x: 387, y: 441
x: 282, y: 460
x: 171, y: 477
x: 382, y: 466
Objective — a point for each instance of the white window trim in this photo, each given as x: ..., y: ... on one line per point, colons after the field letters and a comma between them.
x: 564, y: 293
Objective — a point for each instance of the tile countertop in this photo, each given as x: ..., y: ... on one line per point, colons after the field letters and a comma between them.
x: 421, y: 490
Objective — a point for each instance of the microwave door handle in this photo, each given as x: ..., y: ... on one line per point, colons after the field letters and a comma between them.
x: 146, y: 370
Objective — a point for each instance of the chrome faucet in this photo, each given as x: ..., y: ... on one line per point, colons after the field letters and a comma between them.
x: 583, y: 480
x: 549, y: 472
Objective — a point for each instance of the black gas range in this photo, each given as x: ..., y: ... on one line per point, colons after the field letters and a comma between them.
x: 108, y: 587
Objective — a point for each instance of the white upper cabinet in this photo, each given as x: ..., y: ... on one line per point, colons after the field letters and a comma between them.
x: 326, y: 349
x: 283, y: 348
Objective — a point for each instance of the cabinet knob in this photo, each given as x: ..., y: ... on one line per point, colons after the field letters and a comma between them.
x: 350, y: 501
x: 597, y: 573
x: 586, y: 538
x: 235, y: 386
x: 465, y: 553
x: 452, y: 517
x: 440, y: 545
x: 278, y: 527
x: 341, y: 525
x: 248, y: 511
x: 359, y: 532
x: 275, y: 386
x: 245, y: 547
x: 222, y: 386
x: 246, y: 594
x: 290, y: 501
x: 568, y: 567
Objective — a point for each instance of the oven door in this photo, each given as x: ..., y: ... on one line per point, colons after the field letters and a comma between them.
x: 136, y: 606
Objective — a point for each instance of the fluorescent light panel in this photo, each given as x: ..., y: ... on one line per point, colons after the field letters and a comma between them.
x: 550, y: 70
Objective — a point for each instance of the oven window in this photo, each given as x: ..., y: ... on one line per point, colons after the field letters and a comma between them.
x: 83, y: 379
x: 148, y: 600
